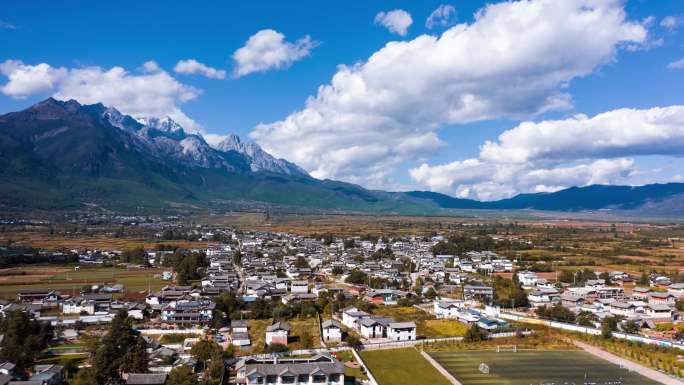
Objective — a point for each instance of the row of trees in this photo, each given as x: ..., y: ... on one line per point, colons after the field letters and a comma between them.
x: 27, y: 256
x: 358, y: 277
x: 460, y: 244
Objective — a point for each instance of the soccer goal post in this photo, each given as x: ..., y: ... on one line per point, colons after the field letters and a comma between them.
x: 506, y: 348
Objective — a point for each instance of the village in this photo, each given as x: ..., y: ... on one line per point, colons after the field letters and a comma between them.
x: 286, y: 307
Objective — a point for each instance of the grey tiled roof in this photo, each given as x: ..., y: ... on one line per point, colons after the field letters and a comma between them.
x: 146, y: 379
x: 402, y: 325
x: 330, y: 323
x: 327, y: 368
x: 278, y: 326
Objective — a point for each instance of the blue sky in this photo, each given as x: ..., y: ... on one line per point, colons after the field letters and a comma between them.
x: 425, y: 147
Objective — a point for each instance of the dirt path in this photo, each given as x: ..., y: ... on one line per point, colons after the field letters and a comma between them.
x: 644, y: 371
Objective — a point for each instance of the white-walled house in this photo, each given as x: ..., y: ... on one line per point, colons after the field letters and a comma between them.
x: 622, y: 308
x: 277, y: 333
x: 656, y: 298
x: 659, y: 312
x: 332, y: 331
x: 351, y: 316
x: 240, y: 340
x: 320, y: 370
x: 401, y: 331
x: 299, y: 287
x: 543, y: 297
x: 76, y: 306
x: 528, y: 279
x: 374, y: 327
x: 447, y: 309
x: 676, y: 289
x: 239, y: 326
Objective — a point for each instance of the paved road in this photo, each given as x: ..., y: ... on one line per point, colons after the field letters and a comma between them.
x: 644, y: 371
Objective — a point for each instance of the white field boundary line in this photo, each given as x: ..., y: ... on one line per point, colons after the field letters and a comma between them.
x: 360, y: 360
x: 440, y: 369
x: 632, y: 366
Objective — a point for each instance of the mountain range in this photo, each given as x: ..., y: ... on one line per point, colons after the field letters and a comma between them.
x: 62, y: 155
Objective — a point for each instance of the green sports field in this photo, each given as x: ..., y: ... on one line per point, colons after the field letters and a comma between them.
x: 535, y: 367
x: 402, y: 367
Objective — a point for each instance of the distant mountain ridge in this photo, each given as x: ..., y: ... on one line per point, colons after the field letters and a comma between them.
x: 594, y: 197
x: 61, y: 155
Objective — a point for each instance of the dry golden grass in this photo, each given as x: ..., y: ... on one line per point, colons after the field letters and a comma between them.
x: 88, y: 242
x: 67, y: 279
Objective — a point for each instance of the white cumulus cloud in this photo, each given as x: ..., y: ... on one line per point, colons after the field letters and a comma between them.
x: 443, y: 16
x: 25, y: 80
x: 397, y: 21
x: 676, y: 65
x: 267, y: 49
x: 151, y: 66
x: 155, y: 94
x: 554, y: 154
x: 192, y: 66
x: 669, y: 22
x: 513, y: 61
x: 622, y: 132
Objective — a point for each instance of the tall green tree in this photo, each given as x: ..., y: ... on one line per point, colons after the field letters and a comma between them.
x: 214, y: 372
x: 121, y: 349
x: 24, y: 338
x: 182, y: 375
x: 204, y: 350
x: 474, y: 334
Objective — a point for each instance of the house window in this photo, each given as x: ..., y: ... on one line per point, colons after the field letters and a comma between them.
x: 319, y: 378
x: 303, y: 378
x: 271, y: 379
x: 258, y: 380
x: 287, y: 379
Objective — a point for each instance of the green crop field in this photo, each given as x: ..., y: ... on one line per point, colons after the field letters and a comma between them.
x: 535, y: 367
x: 402, y: 367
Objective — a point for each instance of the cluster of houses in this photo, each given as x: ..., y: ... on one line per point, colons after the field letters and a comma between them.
x: 291, y: 268
x: 646, y: 305
x: 44, y: 374
x: 377, y: 328
x: 464, y: 312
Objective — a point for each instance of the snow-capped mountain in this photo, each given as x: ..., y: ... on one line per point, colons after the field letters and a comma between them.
x: 165, y: 124
x: 164, y: 138
x: 259, y: 160
x: 64, y: 155
x: 171, y: 139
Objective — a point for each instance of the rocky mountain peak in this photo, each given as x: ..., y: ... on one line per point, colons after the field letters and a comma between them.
x: 260, y: 160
